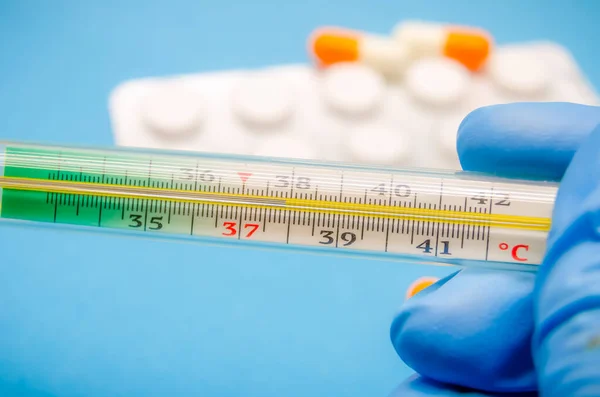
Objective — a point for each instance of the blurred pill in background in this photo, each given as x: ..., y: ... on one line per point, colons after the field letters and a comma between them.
x: 468, y: 45
x: 410, y: 40
x: 419, y: 285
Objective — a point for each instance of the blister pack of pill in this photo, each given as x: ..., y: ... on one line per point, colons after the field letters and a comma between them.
x: 345, y: 112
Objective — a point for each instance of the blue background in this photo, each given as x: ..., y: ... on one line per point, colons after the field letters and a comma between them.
x: 98, y: 315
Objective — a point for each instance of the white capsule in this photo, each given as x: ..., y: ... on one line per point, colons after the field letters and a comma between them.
x: 384, y: 56
x: 421, y: 38
x: 469, y: 46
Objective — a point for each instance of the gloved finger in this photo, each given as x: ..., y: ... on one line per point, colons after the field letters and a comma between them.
x: 566, y: 344
x: 524, y: 140
x: 471, y: 329
x: 418, y: 386
x: 517, y: 140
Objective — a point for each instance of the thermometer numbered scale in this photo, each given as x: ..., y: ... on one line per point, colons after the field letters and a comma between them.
x: 433, y: 217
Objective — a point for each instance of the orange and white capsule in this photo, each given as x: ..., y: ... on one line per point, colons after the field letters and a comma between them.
x: 469, y: 46
x: 329, y: 46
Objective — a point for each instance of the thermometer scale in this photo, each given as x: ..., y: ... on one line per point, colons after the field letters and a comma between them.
x: 441, y: 217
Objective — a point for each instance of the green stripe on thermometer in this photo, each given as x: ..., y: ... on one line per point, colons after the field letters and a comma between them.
x: 440, y: 217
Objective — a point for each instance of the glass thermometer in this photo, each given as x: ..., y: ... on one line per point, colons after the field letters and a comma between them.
x: 439, y: 217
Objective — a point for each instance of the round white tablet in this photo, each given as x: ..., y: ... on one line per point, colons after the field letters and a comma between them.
x: 376, y: 144
x: 352, y: 89
x: 518, y: 71
x: 286, y: 147
x: 172, y: 110
x: 438, y: 81
x: 262, y: 100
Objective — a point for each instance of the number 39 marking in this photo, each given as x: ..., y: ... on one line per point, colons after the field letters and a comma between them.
x: 348, y: 237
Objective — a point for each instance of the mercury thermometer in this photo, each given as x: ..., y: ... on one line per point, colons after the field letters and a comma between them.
x: 438, y: 217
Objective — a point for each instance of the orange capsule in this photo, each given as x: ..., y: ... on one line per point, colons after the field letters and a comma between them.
x: 419, y: 285
x: 469, y: 46
x: 329, y: 46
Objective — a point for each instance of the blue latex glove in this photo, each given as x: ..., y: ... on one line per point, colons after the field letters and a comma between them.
x: 489, y: 333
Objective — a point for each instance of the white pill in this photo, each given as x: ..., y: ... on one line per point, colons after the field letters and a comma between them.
x: 286, y: 147
x: 554, y: 56
x: 376, y: 144
x: 438, y: 81
x: 352, y: 89
x: 173, y: 110
x: 262, y: 100
x: 518, y: 71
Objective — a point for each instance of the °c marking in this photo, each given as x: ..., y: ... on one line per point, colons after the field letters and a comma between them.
x: 514, y: 253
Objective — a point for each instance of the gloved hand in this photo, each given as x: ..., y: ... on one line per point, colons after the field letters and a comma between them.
x: 491, y: 333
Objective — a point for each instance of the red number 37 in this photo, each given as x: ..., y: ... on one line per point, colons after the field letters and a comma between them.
x: 231, y: 229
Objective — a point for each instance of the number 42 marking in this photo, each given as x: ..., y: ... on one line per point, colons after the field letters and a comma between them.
x: 232, y: 230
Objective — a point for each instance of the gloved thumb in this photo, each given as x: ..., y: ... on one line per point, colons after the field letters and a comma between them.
x: 566, y: 344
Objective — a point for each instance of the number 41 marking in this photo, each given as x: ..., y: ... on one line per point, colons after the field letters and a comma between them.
x: 427, y: 249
